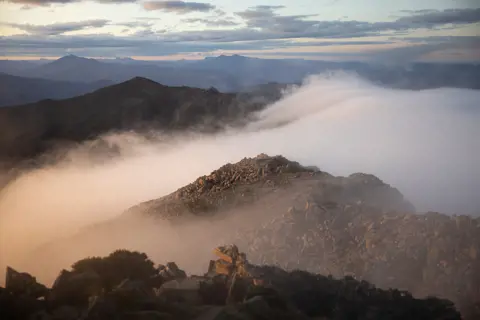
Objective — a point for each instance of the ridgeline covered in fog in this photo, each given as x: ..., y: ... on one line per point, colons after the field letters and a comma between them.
x: 420, y: 142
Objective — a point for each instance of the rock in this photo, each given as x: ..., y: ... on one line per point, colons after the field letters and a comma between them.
x: 22, y: 283
x: 181, y: 291
x: 65, y: 313
x: 75, y: 288
x: 147, y: 315
x: 276, y: 294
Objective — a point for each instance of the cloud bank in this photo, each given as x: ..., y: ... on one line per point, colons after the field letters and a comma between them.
x: 423, y: 143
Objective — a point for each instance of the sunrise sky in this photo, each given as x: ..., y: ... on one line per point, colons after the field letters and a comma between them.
x: 390, y: 30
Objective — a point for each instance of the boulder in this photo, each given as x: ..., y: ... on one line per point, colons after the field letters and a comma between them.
x: 75, y: 288
x: 22, y: 283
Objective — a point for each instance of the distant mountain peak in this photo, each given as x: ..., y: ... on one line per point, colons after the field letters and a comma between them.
x: 73, y: 58
x: 141, y: 80
x: 124, y: 59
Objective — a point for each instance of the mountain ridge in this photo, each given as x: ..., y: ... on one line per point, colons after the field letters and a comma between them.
x: 136, y: 104
x: 298, y: 217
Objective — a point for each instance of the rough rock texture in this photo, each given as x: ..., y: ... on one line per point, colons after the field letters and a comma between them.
x: 342, y: 226
x: 250, y: 179
x: 260, y: 293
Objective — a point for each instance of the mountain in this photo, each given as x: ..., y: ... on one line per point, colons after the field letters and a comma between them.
x: 296, y: 217
x: 138, y: 103
x: 16, y: 90
x: 17, y: 67
x: 78, y: 69
x: 253, y: 71
x: 235, y: 73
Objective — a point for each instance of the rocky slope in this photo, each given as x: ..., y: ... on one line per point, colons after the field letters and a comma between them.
x: 127, y: 285
x: 343, y: 226
x: 295, y: 217
x: 136, y: 104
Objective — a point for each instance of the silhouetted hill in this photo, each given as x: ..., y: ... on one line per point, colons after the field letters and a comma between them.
x: 137, y: 104
x: 16, y: 90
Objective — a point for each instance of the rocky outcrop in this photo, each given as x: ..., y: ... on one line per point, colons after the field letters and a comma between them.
x: 245, y: 182
x: 341, y: 226
x: 257, y: 292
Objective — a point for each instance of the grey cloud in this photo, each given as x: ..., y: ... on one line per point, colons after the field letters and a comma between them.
x: 148, y: 44
x: 436, y: 17
x: 62, y: 28
x: 59, y: 28
x: 178, y: 6
x: 48, y: 2
x: 423, y: 46
x: 212, y: 22
x: 266, y: 20
x: 136, y: 24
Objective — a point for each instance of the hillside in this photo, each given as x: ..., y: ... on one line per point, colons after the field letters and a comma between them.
x: 343, y: 226
x: 139, y: 103
x: 298, y: 217
x: 20, y: 90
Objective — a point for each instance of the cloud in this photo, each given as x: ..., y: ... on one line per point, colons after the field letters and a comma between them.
x: 212, y: 22
x: 448, y: 16
x: 56, y: 29
x: 180, y: 7
x: 260, y: 26
x: 59, y: 28
x: 146, y: 42
x: 49, y: 2
x: 421, y: 47
x: 421, y: 142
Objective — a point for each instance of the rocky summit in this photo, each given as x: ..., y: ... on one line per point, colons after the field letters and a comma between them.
x: 355, y: 226
x: 128, y: 285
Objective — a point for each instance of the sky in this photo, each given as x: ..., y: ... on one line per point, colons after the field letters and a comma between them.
x: 368, y: 30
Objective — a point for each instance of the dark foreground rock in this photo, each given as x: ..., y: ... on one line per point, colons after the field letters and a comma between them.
x: 232, y: 288
x: 342, y: 226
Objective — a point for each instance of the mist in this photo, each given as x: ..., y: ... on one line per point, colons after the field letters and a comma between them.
x: 425, y: 143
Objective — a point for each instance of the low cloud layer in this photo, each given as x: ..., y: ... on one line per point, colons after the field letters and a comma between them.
x: 421, y: 142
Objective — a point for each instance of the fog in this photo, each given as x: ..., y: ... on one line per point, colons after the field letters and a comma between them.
x: 425, y: 143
